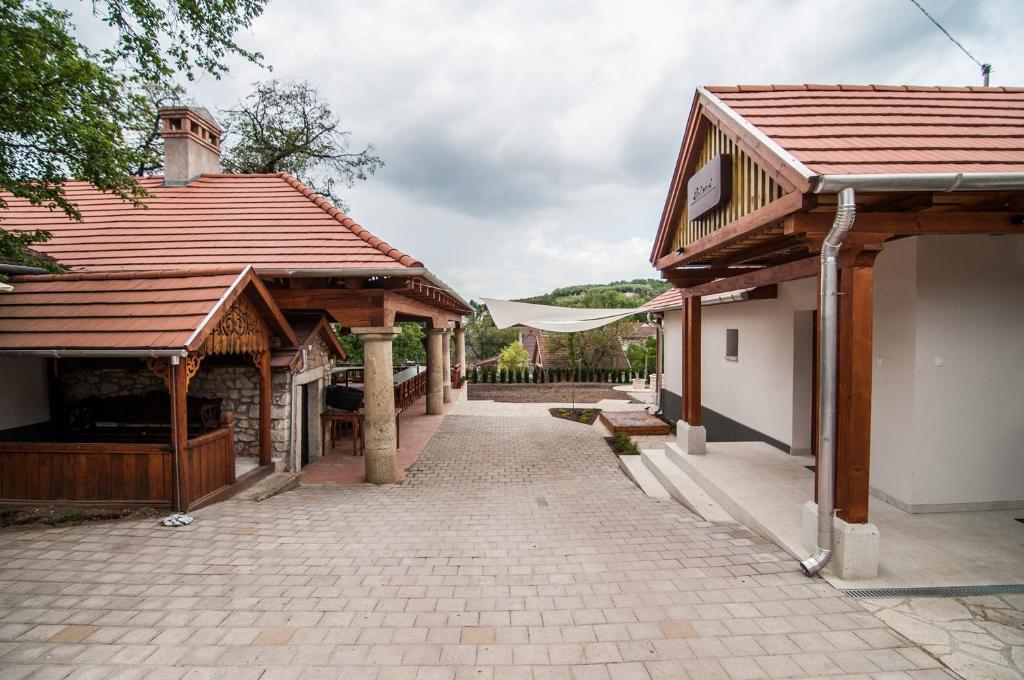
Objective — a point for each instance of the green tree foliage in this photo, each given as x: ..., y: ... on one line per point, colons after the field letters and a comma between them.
x: 62, y: 113
x: 513, y: 358
x: 642, y: 357
x: 596, y: 348
x: 615, y: 295
x: 68, y: 113
x: 407, y: 345
x: 483, y: 339
x: 286, y: 127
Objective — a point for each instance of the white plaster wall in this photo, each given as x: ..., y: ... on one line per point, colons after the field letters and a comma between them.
x: 892, y: 403
x: 950, y: 434
x: 673, y: 345
x: 23, y: 396
x: 757, y: 389
x: 968, y: 426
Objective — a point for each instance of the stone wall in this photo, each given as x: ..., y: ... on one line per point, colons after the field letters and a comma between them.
x: 111, y: 382
x: 280, y: 413
x: 240, y: 385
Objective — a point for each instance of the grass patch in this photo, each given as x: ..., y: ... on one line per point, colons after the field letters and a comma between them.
x: 622, y: 445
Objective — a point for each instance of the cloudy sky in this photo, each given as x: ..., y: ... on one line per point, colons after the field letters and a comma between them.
x: 529, y: 145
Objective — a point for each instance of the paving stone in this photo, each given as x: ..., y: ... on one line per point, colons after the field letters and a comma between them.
x: 515, y: 549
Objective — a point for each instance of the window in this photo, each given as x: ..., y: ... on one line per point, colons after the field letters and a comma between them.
x: 732, y: 344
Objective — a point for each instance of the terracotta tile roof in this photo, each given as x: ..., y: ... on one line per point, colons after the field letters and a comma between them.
x: 870, y: 129
x: 118, y: 311
x: 267, y: 221
x: 670, y: 299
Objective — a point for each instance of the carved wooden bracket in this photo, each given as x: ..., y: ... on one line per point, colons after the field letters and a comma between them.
x: 161, y: 368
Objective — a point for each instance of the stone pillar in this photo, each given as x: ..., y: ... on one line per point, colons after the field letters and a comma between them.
x: 460, y: 350
x: 446, y: 351
x: 435, y: 371
x: 378, y: 404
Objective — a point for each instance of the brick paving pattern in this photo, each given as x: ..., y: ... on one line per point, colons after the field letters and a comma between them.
x: 515, y: 549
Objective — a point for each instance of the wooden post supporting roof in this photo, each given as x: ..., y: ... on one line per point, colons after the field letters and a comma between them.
x: 180, y: 473
x: 853, y: 406
x: 691, y: 361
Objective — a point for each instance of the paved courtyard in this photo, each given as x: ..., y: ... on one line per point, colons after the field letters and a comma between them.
x: 515, y: 549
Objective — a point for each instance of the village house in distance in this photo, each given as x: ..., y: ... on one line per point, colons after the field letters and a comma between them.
x: 196, y: 330
x: 930, y: 313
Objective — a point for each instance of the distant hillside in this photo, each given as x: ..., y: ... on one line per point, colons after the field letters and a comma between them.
x: 617, y: 294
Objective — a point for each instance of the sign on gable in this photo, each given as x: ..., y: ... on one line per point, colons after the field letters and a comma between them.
x: 710, y: 187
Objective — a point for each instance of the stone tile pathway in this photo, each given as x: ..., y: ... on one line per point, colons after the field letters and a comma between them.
x: 515, y: 549
x: 978, y: 637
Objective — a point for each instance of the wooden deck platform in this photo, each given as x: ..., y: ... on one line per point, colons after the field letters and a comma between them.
x: 633, y: 422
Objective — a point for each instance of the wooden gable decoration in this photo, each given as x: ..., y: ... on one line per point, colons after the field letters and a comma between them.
x: 241, y: 330
x: 752, y: 187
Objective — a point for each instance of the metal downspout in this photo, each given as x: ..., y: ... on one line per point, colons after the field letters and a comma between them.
x: 827, y: 340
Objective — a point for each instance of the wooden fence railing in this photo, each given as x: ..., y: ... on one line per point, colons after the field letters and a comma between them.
x: 408, y: 391
x: 553, y: 375
x: 210, y: 463
x: 122, y: 473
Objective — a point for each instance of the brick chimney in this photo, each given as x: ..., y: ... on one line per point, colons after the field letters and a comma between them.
x: 191, y: 143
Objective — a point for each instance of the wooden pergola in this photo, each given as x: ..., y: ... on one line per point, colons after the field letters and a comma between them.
x: 172, y: 321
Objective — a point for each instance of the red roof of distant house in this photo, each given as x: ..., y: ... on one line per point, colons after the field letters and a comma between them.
x: 271, y: 222
x: 125, y: 311
x: 670, y: 299
x: 871, y: 129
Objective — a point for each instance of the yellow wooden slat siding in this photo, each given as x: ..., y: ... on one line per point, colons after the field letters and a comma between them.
x: 752, y: 188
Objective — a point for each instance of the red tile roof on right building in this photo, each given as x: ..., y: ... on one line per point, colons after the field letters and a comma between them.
x: 872, y: 129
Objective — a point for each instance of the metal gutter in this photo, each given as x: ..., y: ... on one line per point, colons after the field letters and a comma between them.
x: 846, y: 213
x: 21, y: 269
x: 924, y: 181
x: 725, y: 110
x: 97, y: 353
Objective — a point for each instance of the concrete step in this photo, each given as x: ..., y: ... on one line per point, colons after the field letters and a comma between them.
x: 682, y: 488
x: 271, y: 485
x: 734, y: 508
x: 642, y: 477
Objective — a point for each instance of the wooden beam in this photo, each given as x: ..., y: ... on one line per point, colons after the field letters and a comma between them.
x: 180, y: 473
x: 853, y: 390
x: 737, y: 229
x: 913, y: 223
x: 691, y: 361
x: 262, y: 361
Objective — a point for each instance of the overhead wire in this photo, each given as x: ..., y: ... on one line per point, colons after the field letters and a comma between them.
x: 986, y: 69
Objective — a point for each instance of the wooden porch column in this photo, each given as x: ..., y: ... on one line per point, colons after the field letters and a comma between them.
x: 691, y: 361
x: 853, y: 389
x: 180, y: 478
x: 691, y: 436
x: 379, y: 428
x: 263, y: 364
x: 435, y: 369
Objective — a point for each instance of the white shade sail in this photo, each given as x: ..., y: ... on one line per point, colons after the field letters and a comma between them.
x: 506, y: 313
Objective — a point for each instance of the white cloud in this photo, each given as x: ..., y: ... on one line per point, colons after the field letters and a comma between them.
x: 530, y: 144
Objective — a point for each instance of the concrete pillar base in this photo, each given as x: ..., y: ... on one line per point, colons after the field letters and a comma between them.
x: 691, y: 439
x: 855, y: 546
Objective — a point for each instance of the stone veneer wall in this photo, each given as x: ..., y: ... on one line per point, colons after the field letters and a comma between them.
x: 238, y: 384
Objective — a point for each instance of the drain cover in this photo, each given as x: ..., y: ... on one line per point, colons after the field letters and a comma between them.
x: 946, y: 591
